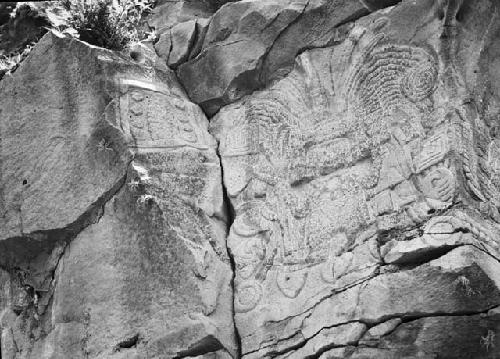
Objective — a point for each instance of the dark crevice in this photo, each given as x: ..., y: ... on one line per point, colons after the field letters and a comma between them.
x: 128, y: 343
x: 374, y: 7
x: 299, y: 345
x: 426, y: 256
x: 326, y: 348
x: 228, y: 206
x: 404, y: 319
x: 17, y: 254
x: 200, y: 35
x: 237, y: 336
x: 206, y: 345
x: 409, y: 317
x: 304, y: 342
x: 251, y: 83
x: 307, y: 312
x: 230, y: 213
x: 466, y: 313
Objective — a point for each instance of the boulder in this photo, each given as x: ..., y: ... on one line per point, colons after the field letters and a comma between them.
x: 113, y: 231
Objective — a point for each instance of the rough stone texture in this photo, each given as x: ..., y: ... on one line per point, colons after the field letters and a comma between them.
x: 473, y: 337
x: 175, y: 45
x: 342, y: 203
x: 248, y: 41
x: 364, y: 186
x: 168, y: 13
x: 113, y: 222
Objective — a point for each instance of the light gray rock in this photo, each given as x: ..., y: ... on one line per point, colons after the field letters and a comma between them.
x: 363, y: 183
x: 115, y: 245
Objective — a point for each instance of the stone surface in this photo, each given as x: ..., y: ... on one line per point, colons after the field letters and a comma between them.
x: 114, y: 225
x: 351, y: 175
x: 343, y: 201
x: 168, y: 13
x: 473, y: 337
x: 54, y: 168
x: 175, y: 45
x: 248, y: 42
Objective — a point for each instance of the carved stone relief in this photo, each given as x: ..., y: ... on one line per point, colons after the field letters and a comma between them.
x: 153, y: 116
x: 353, y: 152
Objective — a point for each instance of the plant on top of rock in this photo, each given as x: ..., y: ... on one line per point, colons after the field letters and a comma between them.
x: 21, y: 26
x: 112, y: 24
x: 9, y: 63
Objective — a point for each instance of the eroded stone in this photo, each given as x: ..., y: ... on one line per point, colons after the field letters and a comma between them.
x: 367, y: 153
x: 146, y: 275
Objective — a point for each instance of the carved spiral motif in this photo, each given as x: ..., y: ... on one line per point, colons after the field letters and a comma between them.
x: 419, y: 83
x: 248, y: 295
x: 386, y: 74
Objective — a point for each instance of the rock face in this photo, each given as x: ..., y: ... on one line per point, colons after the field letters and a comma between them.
x: 113, y: 225
x: 248, y: 41
x: 352, y: 174
x: 342, y: 201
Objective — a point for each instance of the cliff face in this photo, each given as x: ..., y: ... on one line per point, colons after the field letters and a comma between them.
x: 270, y: 179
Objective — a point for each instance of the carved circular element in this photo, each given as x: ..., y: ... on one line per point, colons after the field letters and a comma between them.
x: 291, y: 283
x: 439, y: 183
x: 419, y: 83
x: 248, y: 295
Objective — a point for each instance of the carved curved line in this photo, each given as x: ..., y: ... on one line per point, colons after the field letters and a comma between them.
x: 252, y: 292
x: 291, y: 290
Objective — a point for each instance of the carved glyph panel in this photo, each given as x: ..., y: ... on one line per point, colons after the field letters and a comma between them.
x: 352, y: 145
x: 153, y: 117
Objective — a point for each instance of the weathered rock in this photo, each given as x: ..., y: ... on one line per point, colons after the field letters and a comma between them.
x: 251, y: 43
x: 175, y: 45
x: 327, y: 338
x: 373, y: 151
x: 60, y: 154
x: 114, y: 158
x: 164, y: 45
x: 441, y: 234
x: 362, y: 186
x: 168, y: 13
x: 238, y: 37
x: 447, y: 336
x: 373, y: 335
x: 378, y: 4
